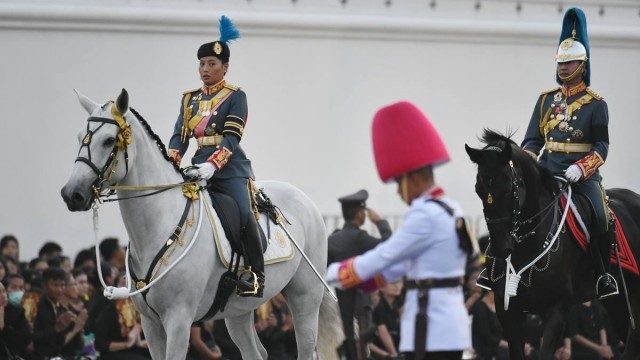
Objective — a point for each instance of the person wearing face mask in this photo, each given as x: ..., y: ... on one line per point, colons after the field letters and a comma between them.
x: 215, y: 115
x: 14, y: 284
x: 15, y: 333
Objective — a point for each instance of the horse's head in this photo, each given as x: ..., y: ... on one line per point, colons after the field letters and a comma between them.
x: 501, y: 187
x: 104, y: 144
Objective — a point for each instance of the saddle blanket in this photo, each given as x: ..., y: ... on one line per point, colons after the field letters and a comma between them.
x: 581, y: 235
x: 279, y: 248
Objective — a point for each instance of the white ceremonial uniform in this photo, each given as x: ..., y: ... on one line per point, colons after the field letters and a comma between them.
x: 426, y: 246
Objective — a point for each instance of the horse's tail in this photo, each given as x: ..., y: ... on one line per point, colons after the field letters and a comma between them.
x: 330, y: 332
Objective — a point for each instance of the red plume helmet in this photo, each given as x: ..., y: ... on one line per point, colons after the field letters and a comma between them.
x: 405, y: 140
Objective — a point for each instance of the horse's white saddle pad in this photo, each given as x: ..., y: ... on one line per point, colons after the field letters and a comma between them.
x: 279, y: 248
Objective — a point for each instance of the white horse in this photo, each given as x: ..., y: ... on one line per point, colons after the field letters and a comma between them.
x: 118, y: 148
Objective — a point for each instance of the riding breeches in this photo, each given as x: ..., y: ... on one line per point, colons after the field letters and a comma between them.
x: 594, y: 191
x: 238, y: 189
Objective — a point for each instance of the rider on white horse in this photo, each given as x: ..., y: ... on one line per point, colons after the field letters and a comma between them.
x: 215, y: 115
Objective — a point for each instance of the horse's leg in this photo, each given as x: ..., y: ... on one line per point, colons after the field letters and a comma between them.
x: 554, y: 324
x: 304, y: 302
x: 243, y: 333
x: 511, y: 322
x: 155, y: 335
x: 178, y: 328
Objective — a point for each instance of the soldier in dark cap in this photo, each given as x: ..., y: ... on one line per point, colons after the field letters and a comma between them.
x: 346, y: 243
x: 215, y: 115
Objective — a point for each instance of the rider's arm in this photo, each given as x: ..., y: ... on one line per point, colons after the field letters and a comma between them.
x: 533, y: 138
x: 599, y: 138
x: 177, y: 147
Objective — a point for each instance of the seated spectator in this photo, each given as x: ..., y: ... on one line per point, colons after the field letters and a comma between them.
x: 83, y: 284
x: 272, y: 337
x: 86, y: 258
x: 290, y: 344
x: 38, y: 264
x: 3, y: 271
x: 386, y: 317
x: 14, y: 284
x: 98, y: 302
x: 587, y: 332
x: 486, y: 332
x: 202, y: 345
x: 223, y: 339
x: 31, y: 279
x: 55, y: 328
x: 9, y: 247
x: 10, y: 264
x: 15, y: 333
x: 65, y: 263
x: 49, y: 249
x: 118, y: 331
x: 113, y: 253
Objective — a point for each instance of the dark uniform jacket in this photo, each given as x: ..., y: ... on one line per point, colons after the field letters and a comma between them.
x: 46, y: 342
x: 16, y: 333
x: 587, y: 123
x: 351, y: 241
x: 226, y: 121
x: 346, y: 243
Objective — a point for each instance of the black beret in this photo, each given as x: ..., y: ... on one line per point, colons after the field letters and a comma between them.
x: 218, y: 49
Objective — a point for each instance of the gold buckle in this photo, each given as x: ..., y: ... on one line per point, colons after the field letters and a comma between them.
x: 140, y: 284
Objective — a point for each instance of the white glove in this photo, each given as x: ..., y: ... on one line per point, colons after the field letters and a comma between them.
x: 202, y: 171
x: 573, y: 173
x: 331, y: 277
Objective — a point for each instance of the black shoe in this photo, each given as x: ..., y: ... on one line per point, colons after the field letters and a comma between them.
x: 606, y: 286
x: 483, y: 281
x: 250, y: 284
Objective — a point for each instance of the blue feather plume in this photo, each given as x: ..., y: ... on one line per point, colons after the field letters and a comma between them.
x: 228, y: 32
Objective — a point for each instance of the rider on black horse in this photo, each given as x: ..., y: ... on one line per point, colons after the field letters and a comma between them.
x: 215, y: 115
x: 570, y: 125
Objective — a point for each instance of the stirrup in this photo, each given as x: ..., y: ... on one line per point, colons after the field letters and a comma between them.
x: 244, y: 289
x: 609, y: 286
x: 483, y: 282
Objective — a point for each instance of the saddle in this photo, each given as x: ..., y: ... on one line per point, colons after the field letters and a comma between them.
x: 580, y: 220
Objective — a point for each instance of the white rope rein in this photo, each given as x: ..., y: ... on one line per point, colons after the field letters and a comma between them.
x: 114, y: 293
x: 512, y: 278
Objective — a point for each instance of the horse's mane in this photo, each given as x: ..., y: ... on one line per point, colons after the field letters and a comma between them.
x: 156, y: 138
x: 497, y: 141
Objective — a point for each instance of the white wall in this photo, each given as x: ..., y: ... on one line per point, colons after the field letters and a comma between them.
x: 315, y: 73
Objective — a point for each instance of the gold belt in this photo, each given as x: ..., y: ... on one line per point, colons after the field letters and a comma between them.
x: 567, y: 147
x: 213, y: 140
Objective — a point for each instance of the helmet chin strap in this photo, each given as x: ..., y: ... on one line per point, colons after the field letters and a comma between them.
x: 404, y: 190
x: 574, y: 74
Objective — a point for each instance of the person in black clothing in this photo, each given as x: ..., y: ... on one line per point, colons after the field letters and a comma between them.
x: 55, y: 327
x: 348, y: 242
x: 587, y: 332
x: 386, y: 317
x: 229, y: 349
x: 15, y: 333
x: 202, y: 345
x: 487, y: 337
x: 98, y: 301
x: 118, y: 331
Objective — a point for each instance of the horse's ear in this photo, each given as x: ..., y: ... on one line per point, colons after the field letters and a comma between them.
x: 122, y: 103
x: 474, y: 154
x: 86, y: 103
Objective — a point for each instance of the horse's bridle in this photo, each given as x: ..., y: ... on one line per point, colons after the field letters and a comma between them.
x: 123, y: 140
x: 516, y: 186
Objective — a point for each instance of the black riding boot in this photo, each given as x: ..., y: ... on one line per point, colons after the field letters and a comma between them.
x: 606, y: 284
x: 251, y: 280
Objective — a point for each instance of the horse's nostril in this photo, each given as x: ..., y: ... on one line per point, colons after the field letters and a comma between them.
x: 77, y: 198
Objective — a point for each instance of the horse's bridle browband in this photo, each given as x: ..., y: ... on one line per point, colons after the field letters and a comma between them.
x: 86, y: 142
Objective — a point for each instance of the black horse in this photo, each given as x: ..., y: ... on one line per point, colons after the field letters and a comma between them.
x: 523, y: 212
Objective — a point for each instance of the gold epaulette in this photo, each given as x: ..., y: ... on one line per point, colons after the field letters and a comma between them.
x: 190, y: 91
x: 551, y: 90
x: 232, y: 87
x: 594, y: 94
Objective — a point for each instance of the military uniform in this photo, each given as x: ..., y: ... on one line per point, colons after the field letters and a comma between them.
x: 343, y: 244
x: 215, y: 115
x: 570, y: 125
x: 425, y: 249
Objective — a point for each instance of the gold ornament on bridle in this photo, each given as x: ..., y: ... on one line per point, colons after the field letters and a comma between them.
x: 124, y: 135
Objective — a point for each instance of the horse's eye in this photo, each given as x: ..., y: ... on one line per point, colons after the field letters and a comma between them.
x: 110, y: 142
